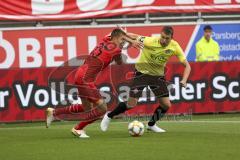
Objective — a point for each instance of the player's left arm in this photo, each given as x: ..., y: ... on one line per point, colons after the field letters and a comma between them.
x: 184, y: 62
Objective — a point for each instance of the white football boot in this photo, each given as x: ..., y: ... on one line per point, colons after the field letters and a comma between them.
x: 79, y: 133
x: 105, y: 122
x: 49, y: 116
x: 155, y: 128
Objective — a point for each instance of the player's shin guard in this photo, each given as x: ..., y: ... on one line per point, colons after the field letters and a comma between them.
x: 121, y: 108
x: 158, y: 114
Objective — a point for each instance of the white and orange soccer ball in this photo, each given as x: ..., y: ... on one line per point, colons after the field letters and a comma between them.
x: 136, y: 128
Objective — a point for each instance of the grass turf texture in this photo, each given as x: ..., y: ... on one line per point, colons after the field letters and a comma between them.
x: 205, y: 138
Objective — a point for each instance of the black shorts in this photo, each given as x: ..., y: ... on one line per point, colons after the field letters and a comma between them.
x: 157, y: 84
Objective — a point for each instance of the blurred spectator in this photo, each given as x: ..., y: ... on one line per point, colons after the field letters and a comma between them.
x: 207, y: 49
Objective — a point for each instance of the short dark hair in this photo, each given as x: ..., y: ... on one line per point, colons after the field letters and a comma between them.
x: 207, y: 27
x: 117, y: 32
x: 168, y: 30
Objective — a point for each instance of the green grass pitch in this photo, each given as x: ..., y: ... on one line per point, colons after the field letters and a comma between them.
x: 204, y: 138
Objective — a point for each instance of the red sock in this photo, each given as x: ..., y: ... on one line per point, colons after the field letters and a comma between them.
x: 83, y: 124
x: 92, y: 114
x: 75, y: 108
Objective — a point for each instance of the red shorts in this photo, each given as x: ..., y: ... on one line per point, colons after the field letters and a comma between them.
x: 86, y: 85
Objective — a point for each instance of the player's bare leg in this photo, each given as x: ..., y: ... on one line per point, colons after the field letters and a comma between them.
x: 86, y: 104
x: 132, y: 102
x: 102, y: 105
x: 165, y: 104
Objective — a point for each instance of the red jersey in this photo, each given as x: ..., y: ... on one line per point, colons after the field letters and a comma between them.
x: 101, y: 56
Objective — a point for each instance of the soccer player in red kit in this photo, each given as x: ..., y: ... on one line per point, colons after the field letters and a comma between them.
x: 93, y: 106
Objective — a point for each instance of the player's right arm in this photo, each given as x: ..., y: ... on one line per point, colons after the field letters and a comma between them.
x: 186, y: 73
x: 182, y: 58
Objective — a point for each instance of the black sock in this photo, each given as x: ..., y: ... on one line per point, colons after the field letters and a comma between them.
x: 158, y: 114
x: 122, y: 107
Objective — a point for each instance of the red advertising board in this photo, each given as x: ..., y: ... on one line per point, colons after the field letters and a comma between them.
x: 51, y: 47
x: 76, y: 9
x: 212, y: 88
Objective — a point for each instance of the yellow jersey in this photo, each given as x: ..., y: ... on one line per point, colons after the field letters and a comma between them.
x: 154, y: 57
x: 207, y: 51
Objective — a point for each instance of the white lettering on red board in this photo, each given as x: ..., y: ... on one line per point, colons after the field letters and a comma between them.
x: 47, y: 6
x: 53, y: 53
x: 57, y: 6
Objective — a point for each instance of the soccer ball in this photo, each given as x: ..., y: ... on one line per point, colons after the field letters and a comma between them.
x: 136, y: 128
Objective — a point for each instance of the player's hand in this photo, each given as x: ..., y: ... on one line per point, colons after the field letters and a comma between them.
x: 136, y: 44
x: 183, y: 83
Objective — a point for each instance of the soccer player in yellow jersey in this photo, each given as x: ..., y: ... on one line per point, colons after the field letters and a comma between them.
x: 150, y: 72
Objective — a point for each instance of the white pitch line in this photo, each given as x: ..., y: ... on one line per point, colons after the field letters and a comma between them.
x: 204, y: 121
x: 43, y: 127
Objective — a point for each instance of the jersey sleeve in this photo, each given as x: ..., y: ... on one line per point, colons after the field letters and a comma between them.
x: 149, y: 41
x: 179, y: 53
